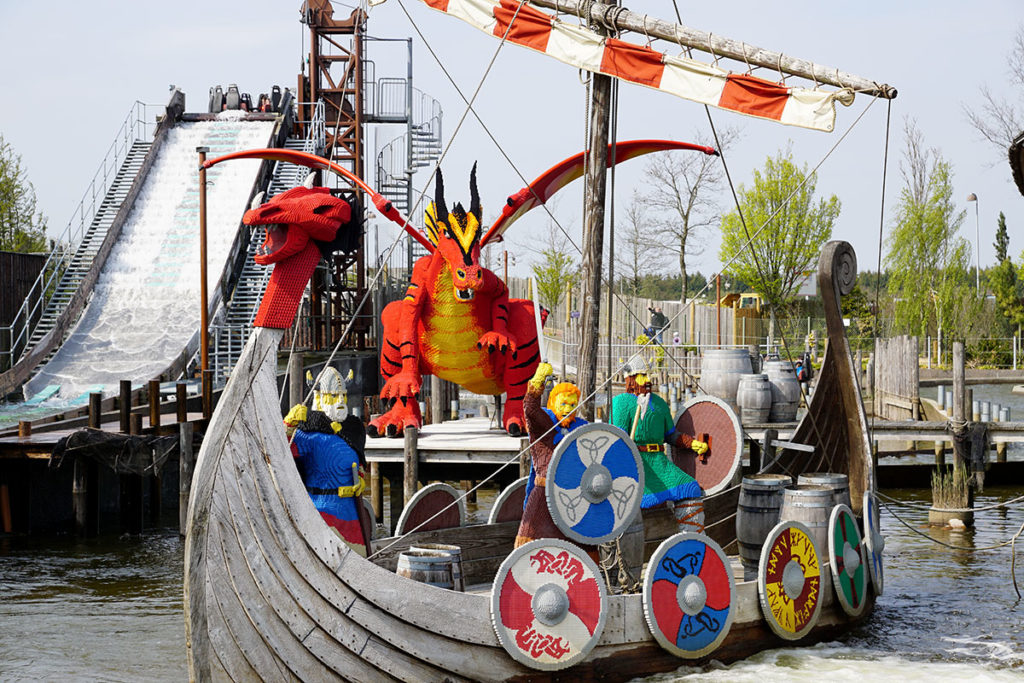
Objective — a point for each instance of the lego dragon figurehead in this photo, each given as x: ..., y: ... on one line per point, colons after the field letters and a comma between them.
x: 297, y: 222
x: 456, y: 234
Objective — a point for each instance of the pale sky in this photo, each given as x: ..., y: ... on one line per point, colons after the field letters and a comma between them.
x: 73, y: 70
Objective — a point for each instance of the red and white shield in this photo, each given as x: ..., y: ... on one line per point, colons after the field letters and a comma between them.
x: 548, y: 604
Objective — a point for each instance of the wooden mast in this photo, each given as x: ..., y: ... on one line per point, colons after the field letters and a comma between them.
x: 593, y: 239
x: 621, y: 19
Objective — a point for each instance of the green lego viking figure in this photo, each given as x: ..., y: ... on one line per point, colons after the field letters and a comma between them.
x: 648, y: 420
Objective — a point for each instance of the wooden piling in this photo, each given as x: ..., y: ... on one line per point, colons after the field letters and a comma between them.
x: 376, y: 492
x: 181, y: 401
x: 436, y: 400
x: 5, y: 508
x: 207, y: 394
x: 395, y: 501
x: 124, y: 405
x: 186, y: 465
x: 95, y: 410
x: 24, y: 429
x: 411, y: 465
x: 524, y: 456
x: 959, y: 396
x: 296, y: 388
x: 153, y: 395
x: 135, y: 424
x: 85, y: 496
x: 131, y: 503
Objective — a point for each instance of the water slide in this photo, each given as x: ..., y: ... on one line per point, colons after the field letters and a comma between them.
x: 144, y: 311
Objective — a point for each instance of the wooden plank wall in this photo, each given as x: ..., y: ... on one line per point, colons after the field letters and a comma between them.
x: 897, y: 379
x: 17, y: 274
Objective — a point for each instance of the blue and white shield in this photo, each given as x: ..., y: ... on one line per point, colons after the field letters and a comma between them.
x: 595, y: 483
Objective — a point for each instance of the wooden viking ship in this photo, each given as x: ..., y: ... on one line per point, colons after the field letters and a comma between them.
x: 271, y: 592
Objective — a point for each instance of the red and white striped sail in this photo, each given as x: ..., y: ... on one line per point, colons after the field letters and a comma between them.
x: 686, y: 78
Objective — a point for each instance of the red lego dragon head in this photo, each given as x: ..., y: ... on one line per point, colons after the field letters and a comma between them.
x: 298, y: 222
x: 456, y: 235
x: 295, y: 217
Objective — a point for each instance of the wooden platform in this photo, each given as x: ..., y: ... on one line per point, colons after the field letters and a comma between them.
x: 40, y: 444
x: 470, y: 440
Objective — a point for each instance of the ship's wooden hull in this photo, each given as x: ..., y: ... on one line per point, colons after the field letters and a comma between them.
x: 272, y: 593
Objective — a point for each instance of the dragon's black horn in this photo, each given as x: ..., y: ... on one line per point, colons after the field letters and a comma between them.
x: 440, y: 210
x: 474, y: 195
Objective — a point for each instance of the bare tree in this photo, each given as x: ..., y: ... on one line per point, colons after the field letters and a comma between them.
x: 683, y: 188
x: 998, y: 119
x: 635, y: 252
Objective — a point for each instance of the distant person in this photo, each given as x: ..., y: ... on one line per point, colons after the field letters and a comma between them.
x: 659, y: 322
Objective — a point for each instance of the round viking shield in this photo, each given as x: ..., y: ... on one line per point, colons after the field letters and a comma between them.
x: 874, y: 541
x: 710, y: 419
x: 689, y: 595
x: 508, y: 506
x: 789, y: 581
x: 548, y: 604
x: 435, y: 506
x: 849, y: 557
x: 595, y: 483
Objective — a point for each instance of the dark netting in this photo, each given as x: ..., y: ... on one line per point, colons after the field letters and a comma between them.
x: 123, y: 453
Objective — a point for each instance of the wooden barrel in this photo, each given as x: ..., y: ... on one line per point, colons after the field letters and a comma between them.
x: 785, y: 390
x: 426, y: 566
x: 839, y: 484
x: 754, y: 396
x: 810, y: 505
x: 455, y: 553
x: 757, y: 514
x: 720, y: 372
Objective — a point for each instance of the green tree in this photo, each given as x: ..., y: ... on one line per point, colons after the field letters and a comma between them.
x: 795, y: 227
x: 555, y: 269
x: 1005, y: 282
x: 928, y: 260
x: 22, y: 228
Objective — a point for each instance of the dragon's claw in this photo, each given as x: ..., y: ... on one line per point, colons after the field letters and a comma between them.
x: 401, y: 385
x: 496, y: 341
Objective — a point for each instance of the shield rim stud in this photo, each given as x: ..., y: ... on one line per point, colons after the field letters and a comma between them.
x: 837, y: 578
x: 762, y: 582
x: 648, y: 602
x: 495, y: 603
x: 551, y: 489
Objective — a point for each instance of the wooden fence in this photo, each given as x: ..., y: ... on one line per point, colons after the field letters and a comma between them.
x: 897, y: 379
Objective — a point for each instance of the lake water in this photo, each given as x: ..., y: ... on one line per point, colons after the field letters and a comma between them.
x: 111, y: 608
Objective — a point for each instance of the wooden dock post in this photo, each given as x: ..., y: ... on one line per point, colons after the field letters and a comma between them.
x: 153, y: 395
x: 24, y: 429
x: 436, y: 400
x: 95, y: 410
x: 5, y: 509
x: 186, y: 465
x: 85, y: 497
x: 524, y: 457
x: 376, y: 492
x: 207, y: 393
x: 296, y: 390
x: 411, y: 465
x: 959, y: 396
x: 395, y: 501
x: 124, y: 405
x: 181, y: 401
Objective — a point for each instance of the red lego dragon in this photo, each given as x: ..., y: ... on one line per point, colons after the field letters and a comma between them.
x: 457, y: 320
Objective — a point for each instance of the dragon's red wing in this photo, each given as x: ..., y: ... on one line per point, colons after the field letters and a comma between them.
x: 564, y: 172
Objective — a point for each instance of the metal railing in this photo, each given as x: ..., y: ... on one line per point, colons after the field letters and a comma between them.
x: 136, y: 127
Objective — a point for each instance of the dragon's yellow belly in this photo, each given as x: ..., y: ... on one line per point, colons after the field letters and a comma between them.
x: 450, y: 331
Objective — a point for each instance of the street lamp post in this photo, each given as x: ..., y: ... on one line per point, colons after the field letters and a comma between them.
x: 977, y: 244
